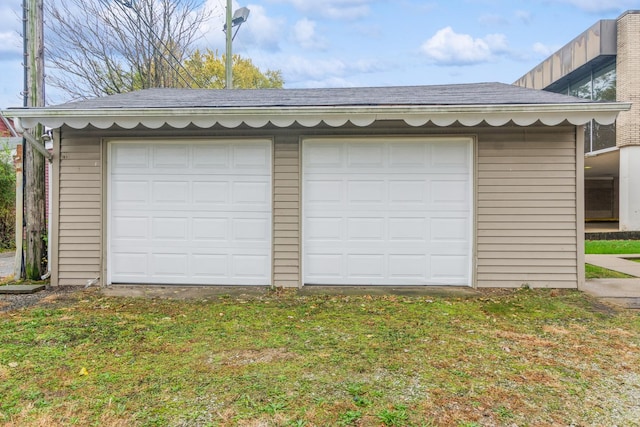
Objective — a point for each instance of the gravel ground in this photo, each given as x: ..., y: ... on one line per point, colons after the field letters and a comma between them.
x: 47, y: 297
x: 50, y: 296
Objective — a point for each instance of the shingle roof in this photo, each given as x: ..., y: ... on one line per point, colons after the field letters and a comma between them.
x: 467, y: 104
x: 460, y: 94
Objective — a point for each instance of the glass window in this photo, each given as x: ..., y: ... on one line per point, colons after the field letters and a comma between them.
x: 604, y: 136
x: 599, y: 85
x: 587, y: 137
x: 604, y: 84
x: 581, y: 88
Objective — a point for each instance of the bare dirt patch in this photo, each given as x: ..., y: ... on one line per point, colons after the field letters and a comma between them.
x: 249, y: 357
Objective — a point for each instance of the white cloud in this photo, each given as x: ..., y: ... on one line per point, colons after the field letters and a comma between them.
x: 598, y: 6
x: 260, y: 31
x: 304, y: 34
x: 10, y: 46
x: 10, y: 38
x: 304, y: 71
x: 543, y: 50
x: 264, y: 31
x: 334, y: 9
x: 447, y: 47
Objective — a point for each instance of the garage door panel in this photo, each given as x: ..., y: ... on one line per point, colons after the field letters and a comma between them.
x: 170, y: 156
x: 256, y: 193
x: 130, y: 157
x: 365, y: 156
x: 366, y: 228
x: 407, y: 229
x: 210, y: 229
x: 387, y: 211
x: 408, y: 266
x: 207, y: 158
x: 324, y: 229
x: 169, y: 228
x: 210, y: 193
x: 130, y: 228
x: 247, y: 229
x: 365, y: 266
x: 131, y: 192
x: 198, y: 213
x: 450, y: 156
x: 247, y: 158
x: 169, y: 265
x: 324, y: 157
x: 324, y: 266
x: 324, y: 191
x: 451, y: 267
x: 207, y: 266
x: 450, y: 230
x: 408, y: 191
x: 170, y: 192
x: 132, y: 264
x: 449, y: 193
x: 407, y: 155
x: 250, y: 266
x: 370, y: 192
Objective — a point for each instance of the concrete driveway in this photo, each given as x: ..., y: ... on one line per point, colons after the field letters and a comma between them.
x: 623, y: 292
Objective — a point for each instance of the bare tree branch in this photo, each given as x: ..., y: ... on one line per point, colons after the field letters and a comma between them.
x: 102, y: 47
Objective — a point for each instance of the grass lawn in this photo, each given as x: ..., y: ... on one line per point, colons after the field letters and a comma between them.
x: 522, y: 357
x: 612, y: 247
x: 595, y: 272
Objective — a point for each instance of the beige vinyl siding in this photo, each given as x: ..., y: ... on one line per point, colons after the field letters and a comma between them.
x: 80, y: 201
x: 525, y: 204
x: 526, y: 209
x: 286, y: 212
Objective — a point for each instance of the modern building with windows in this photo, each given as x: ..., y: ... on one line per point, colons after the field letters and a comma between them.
x: 603, y: 64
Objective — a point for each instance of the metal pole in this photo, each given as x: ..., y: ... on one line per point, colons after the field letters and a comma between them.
x: 25, y: 59
x: 229, y: 58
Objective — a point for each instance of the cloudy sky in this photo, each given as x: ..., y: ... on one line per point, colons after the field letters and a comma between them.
x: 338, y: 43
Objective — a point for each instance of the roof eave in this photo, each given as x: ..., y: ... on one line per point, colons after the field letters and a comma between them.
x: 414, y: 115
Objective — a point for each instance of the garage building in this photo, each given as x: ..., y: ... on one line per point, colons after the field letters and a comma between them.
x: 467, y: 185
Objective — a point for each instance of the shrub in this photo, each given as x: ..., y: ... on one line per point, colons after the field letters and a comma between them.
x: 7, y: 199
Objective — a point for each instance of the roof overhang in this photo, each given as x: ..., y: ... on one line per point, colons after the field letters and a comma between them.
x: 230, y: 117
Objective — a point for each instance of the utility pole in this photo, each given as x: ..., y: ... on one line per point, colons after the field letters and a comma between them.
x: 34, y: 162
x: 229, y: 58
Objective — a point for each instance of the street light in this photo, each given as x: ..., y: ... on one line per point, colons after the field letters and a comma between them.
x: 239, y: 17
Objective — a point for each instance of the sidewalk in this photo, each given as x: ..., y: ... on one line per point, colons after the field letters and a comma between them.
x: 623, y: 292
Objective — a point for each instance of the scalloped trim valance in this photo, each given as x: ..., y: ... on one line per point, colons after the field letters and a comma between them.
x: 494, y: 115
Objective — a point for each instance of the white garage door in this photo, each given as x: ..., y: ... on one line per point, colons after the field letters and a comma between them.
x: 387, y: 212
x: 185, y: 212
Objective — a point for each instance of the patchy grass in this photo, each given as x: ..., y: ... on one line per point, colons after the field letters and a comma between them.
x: 595, y: 272
x: 522, y: 357
x: 612, y: 247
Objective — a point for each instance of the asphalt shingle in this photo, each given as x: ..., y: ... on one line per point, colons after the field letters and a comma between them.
x: 460, y: 94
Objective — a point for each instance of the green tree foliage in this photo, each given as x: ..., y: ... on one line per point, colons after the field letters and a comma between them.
x: 208, y: 70
x: 7, y: 198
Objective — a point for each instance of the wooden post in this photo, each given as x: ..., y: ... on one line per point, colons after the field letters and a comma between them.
x: 36, y: 230
x: 18, y: 160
